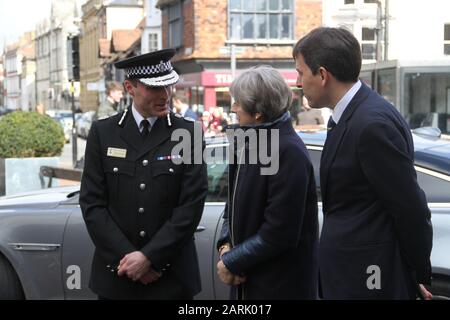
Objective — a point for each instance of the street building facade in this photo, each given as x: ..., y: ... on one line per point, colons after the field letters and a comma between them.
x: 206, y: 33
x: 19, y: 65
x: 406, y: 51
x: 99, y: 20
x: 53, y: 85
x: 2, y: 84
x: 152, y: 33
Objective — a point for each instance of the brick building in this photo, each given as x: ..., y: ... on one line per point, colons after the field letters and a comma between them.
x: 100, y: 18
x: 262, y: 31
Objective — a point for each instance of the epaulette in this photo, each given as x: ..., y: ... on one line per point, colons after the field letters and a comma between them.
x: 179, y: 116
x: 124, y: 116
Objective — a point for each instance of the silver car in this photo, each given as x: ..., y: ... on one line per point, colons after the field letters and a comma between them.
x: 45, y: 250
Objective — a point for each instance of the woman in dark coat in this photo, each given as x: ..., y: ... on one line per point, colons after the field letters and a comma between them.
x: 269, y: 239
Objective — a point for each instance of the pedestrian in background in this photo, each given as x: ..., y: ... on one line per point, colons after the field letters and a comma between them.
x: 109, y: 107
x: 181, y: 107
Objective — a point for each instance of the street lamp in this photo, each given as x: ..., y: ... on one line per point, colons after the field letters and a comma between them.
x: 73, y: 60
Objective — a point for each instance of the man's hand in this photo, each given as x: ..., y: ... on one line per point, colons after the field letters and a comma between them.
x: 150, y: 277
x: 427, y: 295
x: 134, y: 265
x: 227, y: 277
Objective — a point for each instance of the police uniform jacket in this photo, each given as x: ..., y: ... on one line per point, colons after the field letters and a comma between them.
x: 133, y: 197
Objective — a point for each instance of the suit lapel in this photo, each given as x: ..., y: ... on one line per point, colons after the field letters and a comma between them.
x: 130, y: 132
x: 159, y: 133
x: 334, y: 138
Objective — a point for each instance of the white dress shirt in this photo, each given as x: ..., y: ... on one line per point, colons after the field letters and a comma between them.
x: 139, y: 118
x: 344, y: 102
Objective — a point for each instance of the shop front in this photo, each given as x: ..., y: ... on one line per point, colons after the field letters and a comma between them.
x: 420, y: 90
x: 207, y: 90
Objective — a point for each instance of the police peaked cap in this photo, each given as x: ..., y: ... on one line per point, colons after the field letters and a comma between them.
x: 153, y: 69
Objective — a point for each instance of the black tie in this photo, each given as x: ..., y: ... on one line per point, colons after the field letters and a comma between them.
x: 331, y: 124
x: 145, y: 124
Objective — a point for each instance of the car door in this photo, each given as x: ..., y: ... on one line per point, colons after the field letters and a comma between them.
x: 77, y: 253
x: 211, y: 221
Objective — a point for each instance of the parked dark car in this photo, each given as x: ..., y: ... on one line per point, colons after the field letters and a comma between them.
x: 4, y: 111
x: 44, y: 242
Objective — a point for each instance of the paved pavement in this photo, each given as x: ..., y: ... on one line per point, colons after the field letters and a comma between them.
x: 66, y: 156
x: 66, y: 159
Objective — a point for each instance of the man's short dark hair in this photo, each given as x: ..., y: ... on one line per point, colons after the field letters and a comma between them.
x: 335, y: 49
x: 113, y: 86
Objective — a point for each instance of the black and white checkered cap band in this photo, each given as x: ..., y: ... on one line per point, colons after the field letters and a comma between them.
x: 145, y: 71
x: 159, y: 75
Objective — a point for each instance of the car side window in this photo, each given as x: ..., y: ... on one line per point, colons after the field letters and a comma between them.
x: 217, y: 175
x: 315, y: 159
x: 436, y: 189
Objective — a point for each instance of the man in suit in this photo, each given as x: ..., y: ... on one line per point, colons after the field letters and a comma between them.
x: 377, y: 236
x: 181, y: 107
x: 141, y: 208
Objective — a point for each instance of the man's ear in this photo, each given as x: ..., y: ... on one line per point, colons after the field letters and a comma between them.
x: 324, y: 74
x: 129, y: 87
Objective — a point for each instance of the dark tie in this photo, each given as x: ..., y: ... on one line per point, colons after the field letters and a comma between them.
x: 331, y: 124
x: 145, y: 125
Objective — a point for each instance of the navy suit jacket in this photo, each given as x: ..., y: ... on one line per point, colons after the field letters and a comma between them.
x: 377, y: 236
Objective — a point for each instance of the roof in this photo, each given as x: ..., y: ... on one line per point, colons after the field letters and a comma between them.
x: 29, y: 52
x: 104, y: 46
x: 122, y: 40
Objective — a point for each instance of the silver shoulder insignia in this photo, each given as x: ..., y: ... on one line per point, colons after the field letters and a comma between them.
x: 178, y: 116
x: 189, y: 119
x: 123, y: 117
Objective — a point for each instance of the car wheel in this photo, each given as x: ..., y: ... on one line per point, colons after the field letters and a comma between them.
x: 440, y: 288
x: 10, y: 288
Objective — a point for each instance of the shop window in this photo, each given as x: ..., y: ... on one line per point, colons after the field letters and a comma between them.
x: 426, y: 100
x: 261, y: 19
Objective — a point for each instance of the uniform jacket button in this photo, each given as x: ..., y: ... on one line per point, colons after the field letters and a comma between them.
x: 142, y: 186
x: 145, y: 163
x: 116, y: 170
x: 171, y: 170
x: 142, y: 234
x: 141, y: 210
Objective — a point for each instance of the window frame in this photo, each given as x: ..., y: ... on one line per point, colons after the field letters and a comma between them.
x: 267, y: 13
x: 447, y: 41
x: 153, y: 41
x: 371, y: 42
x: 172, y: 41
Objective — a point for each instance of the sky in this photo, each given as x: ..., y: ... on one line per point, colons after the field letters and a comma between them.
x: 20, y: 16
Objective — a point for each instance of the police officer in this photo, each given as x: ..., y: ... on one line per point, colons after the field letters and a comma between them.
x: 141, y: 207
